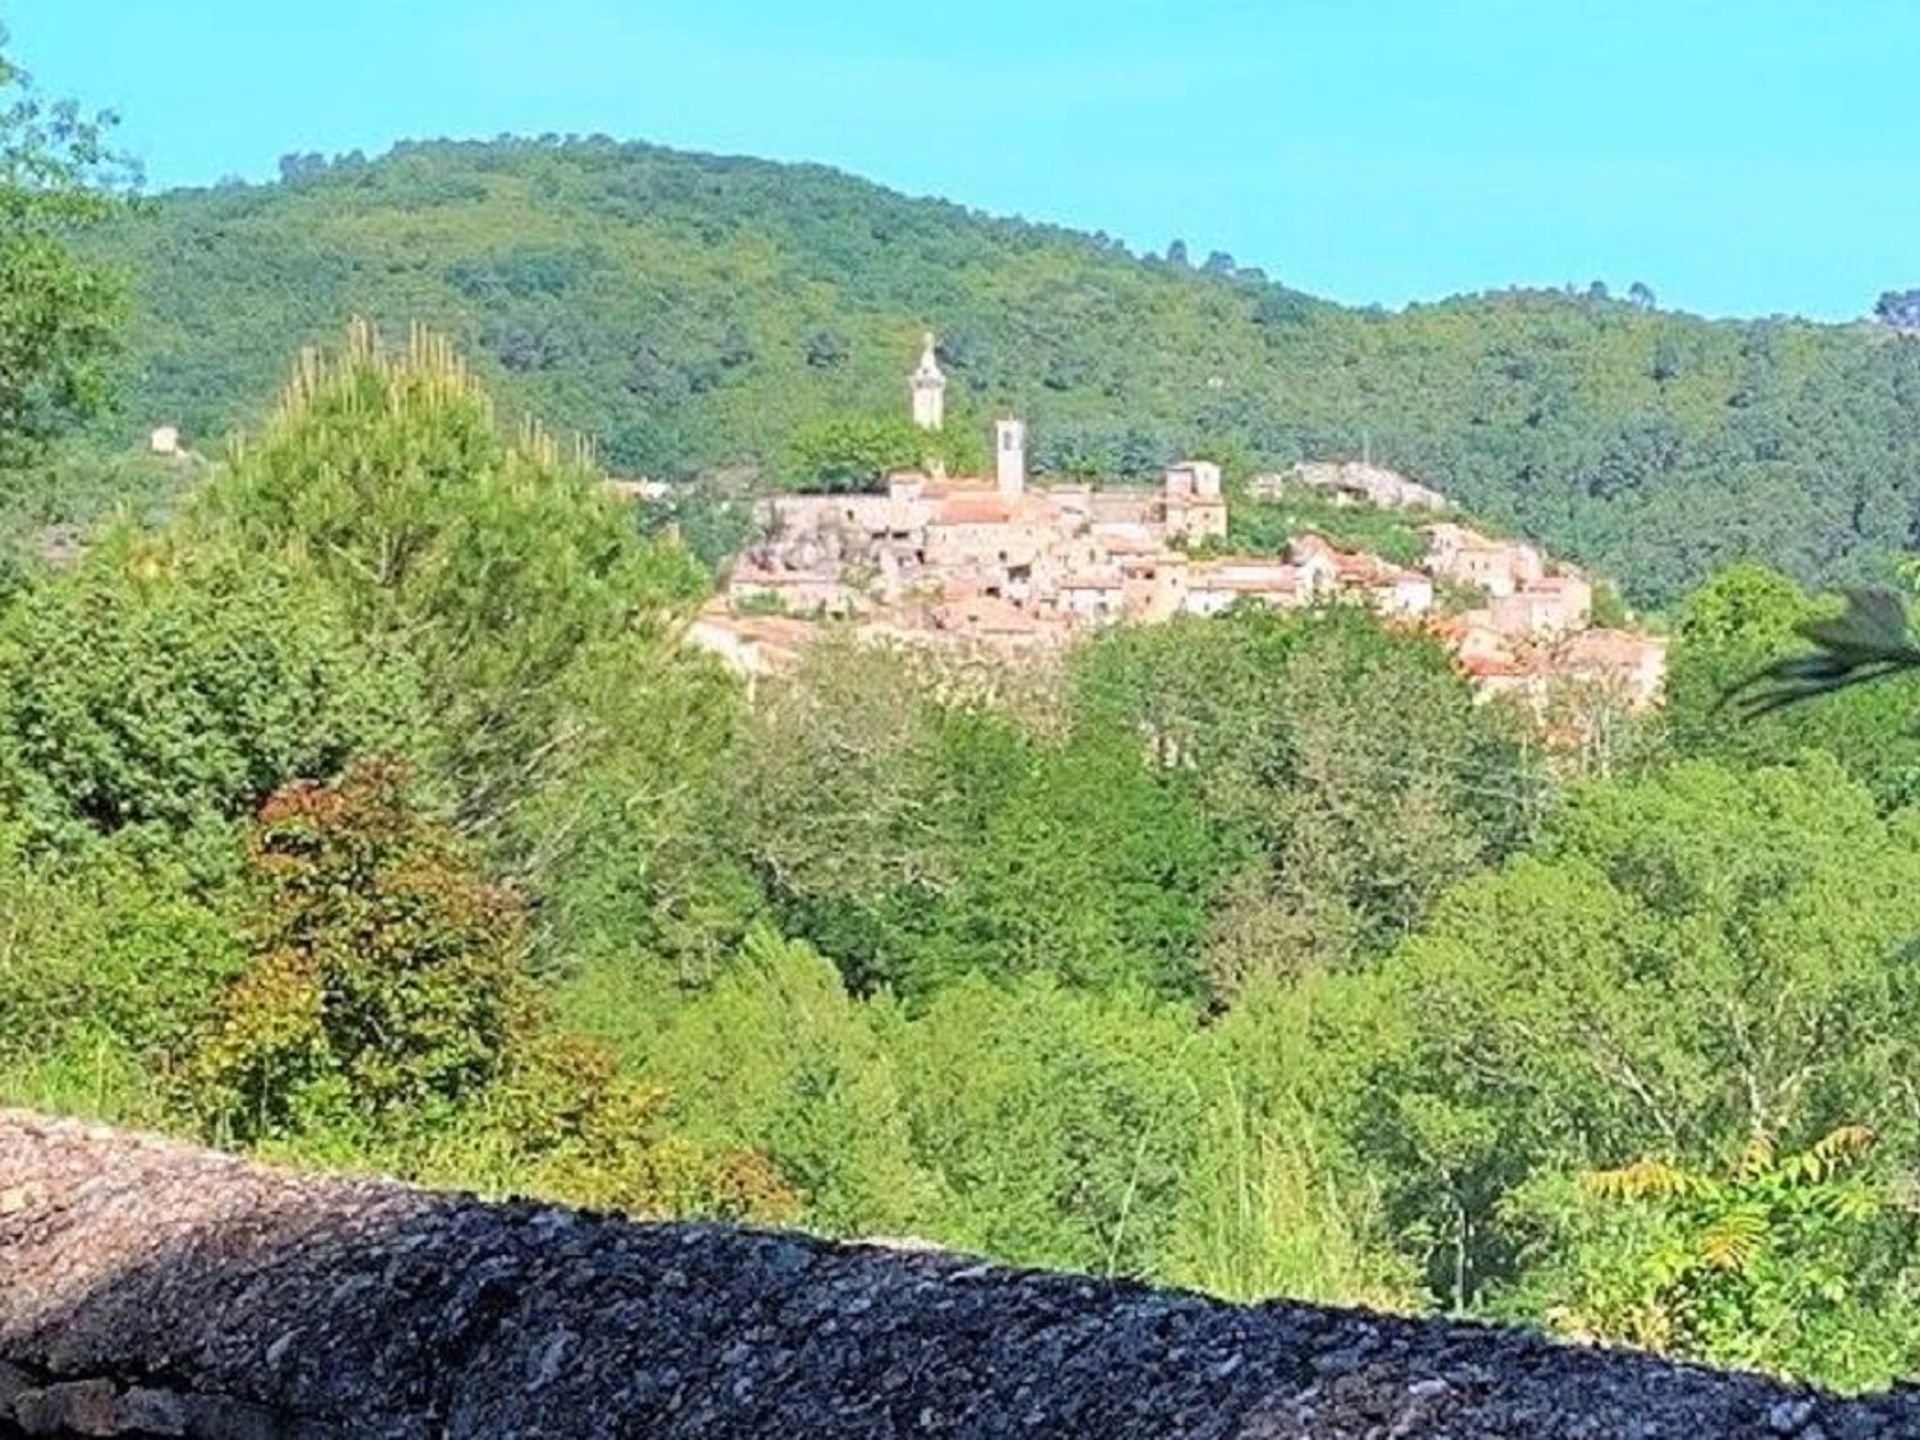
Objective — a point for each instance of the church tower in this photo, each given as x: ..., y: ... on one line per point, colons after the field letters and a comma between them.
x: 1010, y: 458
x: 929, y: 389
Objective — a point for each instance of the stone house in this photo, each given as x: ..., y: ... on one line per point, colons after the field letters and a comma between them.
x: 1195, y: 508
x: 1554, y: 605
x: 1216, y: 586
x: 1390, y: 588
x: 1404, y: 592
x: 752, y: 646
x: 1466, y: 557
x: 816, y: 590
x: 1096, y: 596
x: 1635, y: 663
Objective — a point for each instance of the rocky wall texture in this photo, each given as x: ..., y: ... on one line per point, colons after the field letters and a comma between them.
x: 152, y: 1289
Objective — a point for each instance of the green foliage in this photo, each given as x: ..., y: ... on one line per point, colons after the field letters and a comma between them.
x: 1349, y: 764
x: 1798, y: 1263
x: 776, y: 1059
x: 50, y: 508
x: 858, y: 452
x: 915, y: 836
x: 842, y: 809
x: 1250, y: 954
x: 1610, y: 610
x: 1062, y: 1125
x: 1266, y: 527
x: 57, y: 309
x: 110, y: 961
x: 643, y: 893
x: 715, y: 520
x: 1728, y: 634
x: 1122, y: 905
x: 157, y: 685
x: 494, y: 567
x: 564, y: 1120
x: 1674, y: 968
x: 1263, y: 1214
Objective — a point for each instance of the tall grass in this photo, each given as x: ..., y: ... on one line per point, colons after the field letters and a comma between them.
x: 1264, y: 1217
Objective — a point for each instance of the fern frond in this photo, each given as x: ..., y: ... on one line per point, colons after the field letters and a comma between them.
x: 1851, y: 1203
x: 1648, y: 1178
x: 1843, y: 1143
x: 1756, y: 1158
x: 1733, y: 1239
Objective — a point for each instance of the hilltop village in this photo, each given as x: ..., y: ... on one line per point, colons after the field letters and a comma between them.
x: 1000, y: 561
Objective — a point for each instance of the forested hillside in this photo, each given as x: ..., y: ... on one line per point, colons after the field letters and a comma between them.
x: 689, y: 312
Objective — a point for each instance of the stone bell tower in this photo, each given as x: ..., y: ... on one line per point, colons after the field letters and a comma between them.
x: 929, y: 390
x: 1010, y: 458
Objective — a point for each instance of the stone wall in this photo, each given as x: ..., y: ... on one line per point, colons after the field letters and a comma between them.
x: 149, y: 1288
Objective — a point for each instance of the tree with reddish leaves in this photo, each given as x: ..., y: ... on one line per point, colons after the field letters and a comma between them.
x: 387, y: 976
x: 388, y: 1013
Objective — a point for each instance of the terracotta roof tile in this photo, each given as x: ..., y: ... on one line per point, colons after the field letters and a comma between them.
x: 973, y: 510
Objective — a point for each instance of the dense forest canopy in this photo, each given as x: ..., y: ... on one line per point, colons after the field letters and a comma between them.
x: 690, y: 312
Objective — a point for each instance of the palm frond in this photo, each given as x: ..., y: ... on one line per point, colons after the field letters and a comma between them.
x: 1870, y: 639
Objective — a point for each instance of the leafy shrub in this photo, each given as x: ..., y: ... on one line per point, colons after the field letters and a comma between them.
x: 776, y: 1058
x: 1062, y: 1125
x: 387, y: 979
x: 158, y: 685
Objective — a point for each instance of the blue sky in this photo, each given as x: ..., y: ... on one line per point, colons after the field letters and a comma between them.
x: 1739, y: 156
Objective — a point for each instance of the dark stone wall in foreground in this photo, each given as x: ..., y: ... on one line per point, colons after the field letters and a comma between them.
x: 148, y: 1288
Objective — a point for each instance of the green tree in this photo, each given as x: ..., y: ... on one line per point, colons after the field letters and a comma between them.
x: 1348, y: 763
x: 385, y: 1014
x: 777, y: 1059
x: 643, y: 890
x: 916, y: 829
x: 59, y: 310
x: 161, y: 685
x: 1732, y: 629
x: 494, y: 567
x: 858, y: 452
x: 1094, y: 869
x: 564, y: 1119
x: 1062, y: 1124
x: 1688, y: 959
x: 858, y: 793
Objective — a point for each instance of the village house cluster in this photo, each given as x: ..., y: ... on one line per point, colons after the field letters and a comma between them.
x: 1000, y: 560
x: 1534, y: 628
